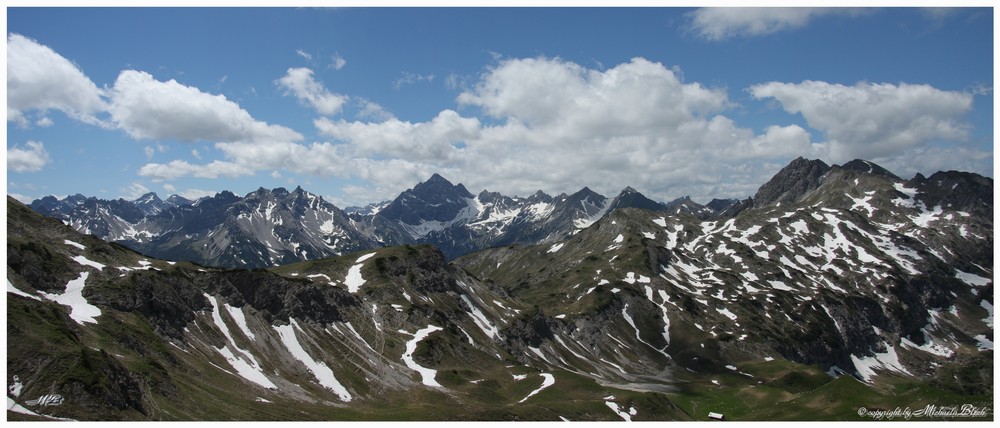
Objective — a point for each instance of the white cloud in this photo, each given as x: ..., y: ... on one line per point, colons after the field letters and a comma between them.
x: 32, y: 157
x: 149, y: 152
x: 21, y: 198
x: 44, y: 122
x: 872, y: 120
x: 38, y: 78
x: 304, y: 54
x: 635, y: 97
x: 134, y: 191
x: 411, y: 78
x: 936, y: 158
x: 196, y: 153
x: 146, y: 108
x: 434, y: 140
x: 373, y: 111
x: 337, y: 62
x: 300, y: 83
x: 561, y: 126
x: 718, y: 23
x: 192, y: 194
x: 179, y: 168
x: 553, y: 125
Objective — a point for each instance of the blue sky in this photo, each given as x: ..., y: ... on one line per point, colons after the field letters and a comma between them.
x: 359, y: 104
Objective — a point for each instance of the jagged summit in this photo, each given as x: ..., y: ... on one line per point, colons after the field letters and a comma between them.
x: 871, y: 288
x: 963, y: 191
x: 436, y: 199
x: 793, y: 182
x: 300, y: 225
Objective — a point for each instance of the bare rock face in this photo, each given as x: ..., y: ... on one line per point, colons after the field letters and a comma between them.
x: 433, y: 200
x: 791, y: 183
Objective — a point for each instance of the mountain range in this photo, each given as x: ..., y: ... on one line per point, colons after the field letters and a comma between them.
x: 834, y: 288
x: 274, y: 227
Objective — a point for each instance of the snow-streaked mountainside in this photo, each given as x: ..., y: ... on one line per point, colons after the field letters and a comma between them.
x: 273, y: 227
x: 853, y: 288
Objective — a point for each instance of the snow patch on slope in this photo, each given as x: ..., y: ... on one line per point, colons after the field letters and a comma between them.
x: 354, y: 280
x: 12, y: 289
x: 547, y: 381
x: 79, y: 309
x: 427, y: 375
x: 319, y: 369
x: 246, y: 365
x: 888, y: 360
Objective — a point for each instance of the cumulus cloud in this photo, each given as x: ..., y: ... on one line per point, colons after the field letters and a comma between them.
x: 32, y: 157
x: 179, y: 168
x: 373, y: 111
x: 434, y: 140
x: 873, y: 120
x: 146, y: 108
x: 561, y: 126
x: 38, y: 78
x: 44, y: 122
x: 548, y: 124
x: 300, y: 83
x: 718, y: 23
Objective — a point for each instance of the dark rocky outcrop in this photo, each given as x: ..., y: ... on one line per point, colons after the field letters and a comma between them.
x: 793, y: 182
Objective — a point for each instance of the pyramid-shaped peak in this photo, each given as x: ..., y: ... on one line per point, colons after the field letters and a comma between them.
x: 585, y: 193
x: 869, y: 167
x: 437, y: 178
x: 148, y: 198
x: 792, y: 183
x: 631, y: 198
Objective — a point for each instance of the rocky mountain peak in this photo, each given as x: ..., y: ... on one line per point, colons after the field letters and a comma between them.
x: 150, y: 197
x: 718, y: 205
x: 585, y: 194
x: 869, y: 167
x: 631, y: 198
x: 178, y: 200
x: 539, y: 196
x: 436, y: 199
x: 793, y: 182
x: 956, y: 190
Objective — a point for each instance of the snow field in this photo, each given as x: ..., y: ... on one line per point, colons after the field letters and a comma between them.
x: 887, y: 360
x: 622, y: 412
x: 14, y: 290
x: 80, y: 310
x: 75, y: 244
x: 547, y: 381
x: 480, y: 319
x: 246, y: 365
x: 354, y: 280
x: 87, y: 262
x: 427, y: 375
x: 319, y: 369
x: 972, y: 279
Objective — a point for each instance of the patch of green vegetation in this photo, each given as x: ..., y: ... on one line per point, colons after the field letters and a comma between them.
x: 782, y: 390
